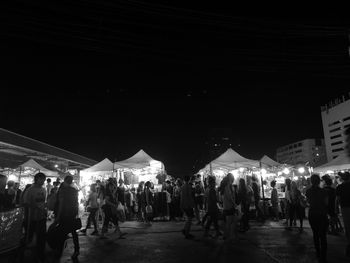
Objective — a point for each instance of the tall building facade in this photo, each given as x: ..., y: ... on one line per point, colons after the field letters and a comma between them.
x: 311, y: 151
x: 335, y: 120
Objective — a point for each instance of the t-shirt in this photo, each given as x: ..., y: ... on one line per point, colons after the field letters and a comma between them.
x: 331, y: 200
x: 318, y: 200
x: 68, y: 202
x: 34, y: 197
x: 212, y: 201
x: 343, y: 192
x: 256, y: 190
x: 93, y: 200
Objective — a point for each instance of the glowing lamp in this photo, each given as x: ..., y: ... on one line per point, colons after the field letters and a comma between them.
x: 301, y: 170
x: 12, y: 177
x: 286, y: 171
x: 241, y: 169
x: 263, y: 171
x: 329, y: 172
x: 295, y: 178
x: 279, y: 173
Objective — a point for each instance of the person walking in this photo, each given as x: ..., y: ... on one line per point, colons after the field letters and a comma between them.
x: 256, y: 189
x: 187, y: 205
x: 331, y: 202
x: 274, y: 201
x: 110, y: 210
x: 92, y: 208
x: 212, y: 208
x: 229, y: 208
x: 68, y: 208
x: 148, y: 203
x: 318, y: 201
x: 343, y: 194
x: 34, y: 200
x: 295, y: 208
x: 244, y: 197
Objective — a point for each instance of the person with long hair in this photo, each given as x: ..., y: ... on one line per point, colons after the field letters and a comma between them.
x: 227, y: 192
x: 187, y: 205
x: 212, y: 208
x: 287, y: 202
x: 244, y: 199
x: 295, y: 208
x: 147, y: 197
x: 92, y: 208
x: 318, y: 200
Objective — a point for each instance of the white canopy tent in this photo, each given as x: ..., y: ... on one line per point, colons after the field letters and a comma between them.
x: 37, y: 168
x: 342, y: 162
x: 104, y: 166
x: 103, y: 169
x: 142, y: 165
x: 267, y: 162
x: 231, y: 160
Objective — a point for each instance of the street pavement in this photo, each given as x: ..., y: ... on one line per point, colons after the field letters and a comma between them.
x: 163, y: 242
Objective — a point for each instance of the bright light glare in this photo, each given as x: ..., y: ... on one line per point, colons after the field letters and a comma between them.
x: 263, y: 171
x: 286, y: 171
x: 241, y: 169
x: 329, y: 172
x: 12, y: 177
x: 279, y: 173
x: 301, y: 170
x: 295, y: 178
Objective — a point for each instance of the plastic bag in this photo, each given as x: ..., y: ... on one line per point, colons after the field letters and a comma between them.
x: 121, y: 212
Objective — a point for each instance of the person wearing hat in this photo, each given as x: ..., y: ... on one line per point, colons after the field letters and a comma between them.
x: 343, y: 195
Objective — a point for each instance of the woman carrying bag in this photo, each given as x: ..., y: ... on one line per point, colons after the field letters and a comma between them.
x: 111, y: 210
x: 148, y: 209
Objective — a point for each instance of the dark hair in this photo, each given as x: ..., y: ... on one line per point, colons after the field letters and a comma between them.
x: 211, y: 180
x: 288, y: 183
x: 148, y: 184
x: 273, y: 183
x: 327, y: 179
x: 315, y: 180
x: 344, y: 175
x: 242, y: 186
x: 186, y: 178
x: 68, y: 179
x: 39, y: 176
x: 48, y: 180
x: 168, y: 181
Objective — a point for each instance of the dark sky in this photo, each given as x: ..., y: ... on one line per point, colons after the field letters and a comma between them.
x: 107, y: 78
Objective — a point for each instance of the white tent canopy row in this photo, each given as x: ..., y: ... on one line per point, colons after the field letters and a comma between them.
x: 231, y: 160
x: 342, y: 162
x: 141, y: 164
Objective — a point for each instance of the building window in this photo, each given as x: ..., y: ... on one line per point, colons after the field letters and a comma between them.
x: 347, y: 118
x: 333, y: 123
x: 298, y: 151
x: 336, y: 136
x: 335, y: 156
x: 348, y: 125
x: 300, y: 144
x: 336, y: 129
x: 336, y: 143
x: 337, y: 150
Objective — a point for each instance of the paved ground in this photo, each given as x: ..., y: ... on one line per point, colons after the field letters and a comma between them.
x: 163, y: 242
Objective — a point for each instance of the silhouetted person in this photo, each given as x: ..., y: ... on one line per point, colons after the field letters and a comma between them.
x: 212, y: 206
x: 331, y: 200
x: 68, y: 210
x: 318, y: 200
x: 3, y: 181
x: 256, y: 189
x: 34, y: 199
x: 343, y: 194
x: 187, y: 205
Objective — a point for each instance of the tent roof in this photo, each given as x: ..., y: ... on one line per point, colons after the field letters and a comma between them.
x: 104, y: 166
x: 33, y: 164
x: 138, y: 161
x: 232, y: 160
x: 267, y: 161
x: 342, y: 162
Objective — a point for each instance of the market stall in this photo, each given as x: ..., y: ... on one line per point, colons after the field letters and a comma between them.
x: 341, y: 163
x: 139, y: 167
x: 100, y: 171
x: 24, y: 174
x: 229, y: 161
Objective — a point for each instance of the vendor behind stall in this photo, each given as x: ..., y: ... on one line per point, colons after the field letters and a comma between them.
x: 3, y: 181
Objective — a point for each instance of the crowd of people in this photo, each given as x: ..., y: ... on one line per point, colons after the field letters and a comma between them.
x: 234, y: 203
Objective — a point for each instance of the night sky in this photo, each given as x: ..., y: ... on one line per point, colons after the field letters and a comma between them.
x: 107, y: 78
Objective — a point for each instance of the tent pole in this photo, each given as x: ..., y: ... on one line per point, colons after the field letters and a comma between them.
x: 262, y: 188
